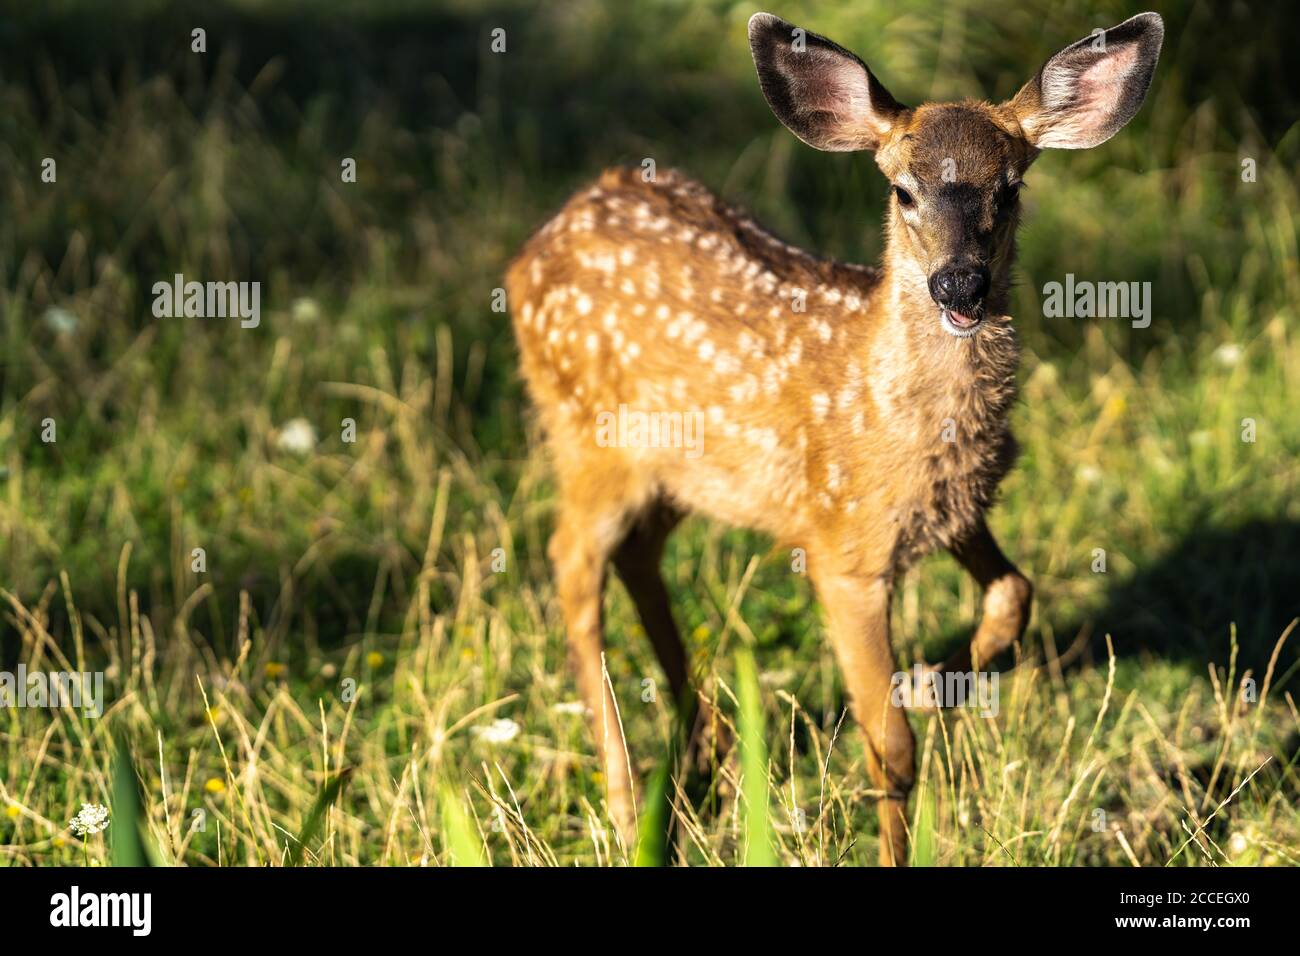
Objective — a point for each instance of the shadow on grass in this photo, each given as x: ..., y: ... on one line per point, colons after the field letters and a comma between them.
x: 327, y: 607
x: 1183, y: 605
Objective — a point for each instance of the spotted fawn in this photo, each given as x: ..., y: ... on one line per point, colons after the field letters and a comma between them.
x: 857, y: 413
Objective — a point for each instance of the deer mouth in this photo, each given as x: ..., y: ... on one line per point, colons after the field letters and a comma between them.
x: 960, y: 324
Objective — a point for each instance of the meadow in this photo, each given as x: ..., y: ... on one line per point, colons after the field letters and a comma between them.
x: 370, y: 668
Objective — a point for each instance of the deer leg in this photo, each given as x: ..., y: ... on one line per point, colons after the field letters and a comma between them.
x: 637, y: 560
x: 578, y: 555
x: 1007, y: 599
x: 857, y: 613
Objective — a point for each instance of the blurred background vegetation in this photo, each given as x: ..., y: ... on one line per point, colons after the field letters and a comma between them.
x: 376, y: 300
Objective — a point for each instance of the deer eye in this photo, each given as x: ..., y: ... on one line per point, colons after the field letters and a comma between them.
x: 1009, y: 198
x: 904, y: 197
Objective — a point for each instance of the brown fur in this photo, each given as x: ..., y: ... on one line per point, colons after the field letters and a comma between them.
x: 728, y: 343
x: 823, y: 428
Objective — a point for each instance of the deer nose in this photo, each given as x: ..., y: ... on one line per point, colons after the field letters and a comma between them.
x: 959, y: 287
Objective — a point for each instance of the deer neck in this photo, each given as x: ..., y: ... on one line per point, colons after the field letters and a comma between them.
x: 924, y: 369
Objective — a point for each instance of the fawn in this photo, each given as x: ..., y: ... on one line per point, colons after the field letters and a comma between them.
x: 858, y: 413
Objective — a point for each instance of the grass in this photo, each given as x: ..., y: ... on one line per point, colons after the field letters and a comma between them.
x: 351, y: 619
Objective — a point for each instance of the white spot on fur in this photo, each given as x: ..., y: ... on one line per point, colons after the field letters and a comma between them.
x: 821, y: 404
x: 726, y: 364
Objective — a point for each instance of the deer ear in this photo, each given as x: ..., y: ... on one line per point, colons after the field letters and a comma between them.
x: 820, y: 91
x: 1087, y: 92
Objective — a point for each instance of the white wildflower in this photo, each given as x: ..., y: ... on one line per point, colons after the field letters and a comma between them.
x: 500, y: 731
x: 297, y: 436
x: 1228, y: 354
x: 60, y: 320
x: 570, y: 707
x: 91, y: 818
x: 305, y: 310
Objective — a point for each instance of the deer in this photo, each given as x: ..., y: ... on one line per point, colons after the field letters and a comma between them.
x: 859, y: 413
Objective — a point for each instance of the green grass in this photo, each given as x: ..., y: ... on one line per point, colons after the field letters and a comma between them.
x: 350, y: 618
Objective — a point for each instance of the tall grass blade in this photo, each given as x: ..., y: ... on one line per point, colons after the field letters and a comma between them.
x: 128, y: 846
x: 656, y: 821
x: 328, y: 794
x: 458, y: 833
x: 753, y: 762
x: 924, y: 851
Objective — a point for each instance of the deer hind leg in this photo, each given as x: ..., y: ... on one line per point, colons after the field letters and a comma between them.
x: 1008, y: 596
x: 857, y: 613
x: 585, y: 536
x: 637, y: 560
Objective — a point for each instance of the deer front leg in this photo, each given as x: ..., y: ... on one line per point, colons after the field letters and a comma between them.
x: 579, y: 559
x: 1008, y: 596
x: 857, y: 613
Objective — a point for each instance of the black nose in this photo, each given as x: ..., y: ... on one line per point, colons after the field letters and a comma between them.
x: 960, y: 287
